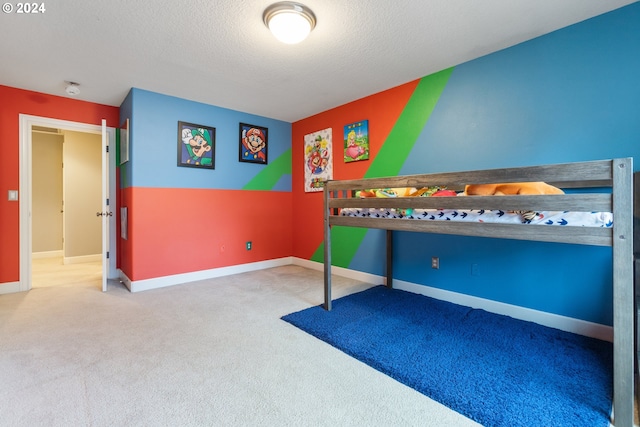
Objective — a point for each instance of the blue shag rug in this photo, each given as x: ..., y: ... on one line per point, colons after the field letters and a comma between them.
x: 494, y: 369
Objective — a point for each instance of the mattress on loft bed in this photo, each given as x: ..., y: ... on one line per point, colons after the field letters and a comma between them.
x: 554, y: 218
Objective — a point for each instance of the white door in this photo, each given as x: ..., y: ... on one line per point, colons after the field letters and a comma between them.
x: 106, y: 208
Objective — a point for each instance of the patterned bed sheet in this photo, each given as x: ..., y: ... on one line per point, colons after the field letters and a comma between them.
x: 553, y: 218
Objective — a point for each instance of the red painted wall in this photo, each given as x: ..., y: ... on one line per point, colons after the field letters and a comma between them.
x: 181, y: 230
x: 173, y: 227
x: 13, y: 103
x: 382, y: 111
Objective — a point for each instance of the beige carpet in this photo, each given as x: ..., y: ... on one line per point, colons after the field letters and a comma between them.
x: 210, y: 353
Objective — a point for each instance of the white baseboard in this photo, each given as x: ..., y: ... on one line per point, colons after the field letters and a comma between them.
x: 564, y: 323
x: 341, y: 271
x: 9, y: 287
x: 82, y: 259
x: 551, y: 320
x: 125, y: 279
x: 176, y: 279
x: 46, y: 254
x: 569, y: 324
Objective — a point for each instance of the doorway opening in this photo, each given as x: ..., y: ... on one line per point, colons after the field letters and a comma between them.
x: 43, y: 263
x: 66, y: 180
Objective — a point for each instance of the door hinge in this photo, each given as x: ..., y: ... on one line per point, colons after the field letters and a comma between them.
x: 107, y: 254
x: 107, y: 202
x: 107, y: 148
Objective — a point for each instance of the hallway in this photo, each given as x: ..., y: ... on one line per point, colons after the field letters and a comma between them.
x: 47, y: 272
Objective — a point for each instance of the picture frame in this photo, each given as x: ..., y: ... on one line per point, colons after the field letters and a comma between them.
x: 196, y: 145
x: 124, y: 142
x: 318, y: 159
x: 253, y: 144
x: 124, y: 223
x: 356, y: 141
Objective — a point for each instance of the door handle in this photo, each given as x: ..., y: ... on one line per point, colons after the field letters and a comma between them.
x: 104, y: 213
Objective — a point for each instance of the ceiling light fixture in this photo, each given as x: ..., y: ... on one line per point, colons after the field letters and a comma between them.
x: 72, y: 88
x: 290, y: 22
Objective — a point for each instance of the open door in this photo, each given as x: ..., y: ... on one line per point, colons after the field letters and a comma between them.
x: 106, y: 209
x: 107, y: 219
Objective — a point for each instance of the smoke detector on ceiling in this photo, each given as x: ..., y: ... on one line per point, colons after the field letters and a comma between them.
x: 72, y: 88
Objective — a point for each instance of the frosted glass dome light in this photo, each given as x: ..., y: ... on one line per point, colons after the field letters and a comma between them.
x: 289, y: 22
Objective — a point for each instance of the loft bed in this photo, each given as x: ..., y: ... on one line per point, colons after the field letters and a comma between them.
x: 604, y: 186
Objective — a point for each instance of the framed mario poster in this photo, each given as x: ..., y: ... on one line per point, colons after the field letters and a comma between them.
x: 196, y: 145
x: 318, y: 160
x: 253, y: 143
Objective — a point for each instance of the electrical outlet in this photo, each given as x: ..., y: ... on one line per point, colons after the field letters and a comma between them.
x: 249, y: 246
x: 435, y: 262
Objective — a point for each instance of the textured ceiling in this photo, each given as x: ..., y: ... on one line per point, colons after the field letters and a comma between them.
x: 220, y: 53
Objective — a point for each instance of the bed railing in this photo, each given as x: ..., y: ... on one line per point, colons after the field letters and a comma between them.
x: 599, y: 175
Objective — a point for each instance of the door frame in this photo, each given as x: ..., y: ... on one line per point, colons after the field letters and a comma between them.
x: 25, y: 200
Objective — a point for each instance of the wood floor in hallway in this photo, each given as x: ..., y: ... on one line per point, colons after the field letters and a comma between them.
x: 48, y: 272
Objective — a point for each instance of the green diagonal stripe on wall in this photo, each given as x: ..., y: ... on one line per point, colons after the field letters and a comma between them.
x: 272, y: 173
x: 405, y: 132
x: 390, y: 158
x: 342, y: 253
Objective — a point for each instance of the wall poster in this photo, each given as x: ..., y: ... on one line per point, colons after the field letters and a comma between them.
x: 356, y: 141
x: 318, y: 160
x: 253, y: 143
x: 196, y: 145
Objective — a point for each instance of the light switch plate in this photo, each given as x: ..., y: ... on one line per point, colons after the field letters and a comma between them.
x: 13, y: 195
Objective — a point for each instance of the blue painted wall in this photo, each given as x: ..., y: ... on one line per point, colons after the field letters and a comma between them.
x: 154, y: 138
x: 571, y: 95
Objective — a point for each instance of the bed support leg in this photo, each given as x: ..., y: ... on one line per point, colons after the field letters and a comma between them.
x: 327, y: 253
x: 389, y: 259
x: 623, y: 356
x: 327, y: 276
